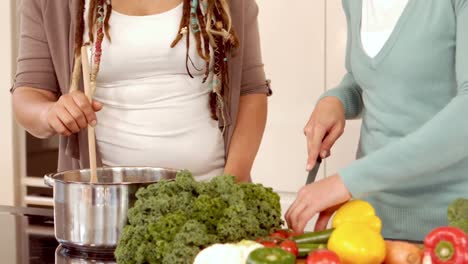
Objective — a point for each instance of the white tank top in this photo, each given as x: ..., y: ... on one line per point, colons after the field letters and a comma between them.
x: 379, y: 18
x: 154, y: 114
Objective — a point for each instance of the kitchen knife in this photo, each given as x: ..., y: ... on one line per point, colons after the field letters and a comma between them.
x: 313, y: 173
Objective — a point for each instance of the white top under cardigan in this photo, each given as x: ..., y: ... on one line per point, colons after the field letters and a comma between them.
x: 154, y: 114
x: 379, y: 18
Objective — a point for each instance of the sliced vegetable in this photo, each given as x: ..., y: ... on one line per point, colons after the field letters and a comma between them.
x: 323, y: 256
x: 270, y: 256
x: 269, y: 244
x: 447, y: 245
x: 399, y: 252
x: 279, y: 236
x: 281, y: 233
x: 427, y: 258
x: 246, y: 247
x: 289, y: 246
x: 306, y: 249
x: 357, y: 211
x: 228, y: 253
x: 267, y: 241
x: 357, y: 243
x: 314, y: 237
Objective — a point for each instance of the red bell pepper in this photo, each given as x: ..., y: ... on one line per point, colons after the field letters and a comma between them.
x: 447, y: 245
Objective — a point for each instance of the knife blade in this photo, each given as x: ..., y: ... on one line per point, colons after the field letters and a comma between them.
x: 313, y: 173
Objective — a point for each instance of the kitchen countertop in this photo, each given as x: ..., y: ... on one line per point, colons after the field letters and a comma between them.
x: 27, y: 237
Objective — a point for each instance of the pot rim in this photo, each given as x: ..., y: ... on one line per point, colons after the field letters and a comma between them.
x: 54, y: 175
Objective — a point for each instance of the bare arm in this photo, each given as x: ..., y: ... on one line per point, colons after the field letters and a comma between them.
x: 35, y: 94
x: 30, y: 106
x: 43, y: 115
x: 247, y: 135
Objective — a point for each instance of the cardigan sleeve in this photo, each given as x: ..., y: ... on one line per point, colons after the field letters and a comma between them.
x: 253, y: 74
x: 34, y: 65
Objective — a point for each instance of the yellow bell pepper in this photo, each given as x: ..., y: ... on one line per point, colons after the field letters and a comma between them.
x: 357, y: 211
x: 356, y: 243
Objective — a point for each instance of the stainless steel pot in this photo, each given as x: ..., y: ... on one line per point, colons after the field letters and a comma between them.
x: 91, y: 217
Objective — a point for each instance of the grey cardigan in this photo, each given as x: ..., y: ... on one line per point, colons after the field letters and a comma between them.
x: 45, y: 61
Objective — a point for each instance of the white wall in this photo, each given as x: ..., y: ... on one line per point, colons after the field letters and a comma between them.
x: 7, y: 127
x: 294, y: 54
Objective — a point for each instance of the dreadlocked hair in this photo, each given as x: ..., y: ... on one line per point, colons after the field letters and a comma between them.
x: 208, y: 20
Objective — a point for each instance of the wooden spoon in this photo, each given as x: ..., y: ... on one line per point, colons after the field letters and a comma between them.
x: 89, y: 92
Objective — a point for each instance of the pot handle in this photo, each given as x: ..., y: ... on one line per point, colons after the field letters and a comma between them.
x: 49, y: 180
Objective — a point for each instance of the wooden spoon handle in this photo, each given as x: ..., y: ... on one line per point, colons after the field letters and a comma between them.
x: 89, y: 93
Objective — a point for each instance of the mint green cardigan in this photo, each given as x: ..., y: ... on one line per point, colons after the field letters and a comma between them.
x: 412, y: 159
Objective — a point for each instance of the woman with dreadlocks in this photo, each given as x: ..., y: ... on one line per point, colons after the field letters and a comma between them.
x: 179, y: 83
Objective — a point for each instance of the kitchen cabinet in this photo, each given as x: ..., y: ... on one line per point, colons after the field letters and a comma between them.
x: 40, y: 158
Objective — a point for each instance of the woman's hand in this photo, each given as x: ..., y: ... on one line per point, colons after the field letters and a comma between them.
x: 325, y: 126
x: 71, y: 113
x: 324, y: 197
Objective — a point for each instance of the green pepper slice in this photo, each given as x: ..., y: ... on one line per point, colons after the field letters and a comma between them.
x: 270, y: 256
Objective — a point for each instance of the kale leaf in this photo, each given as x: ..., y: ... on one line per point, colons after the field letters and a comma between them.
x: 172, y: 221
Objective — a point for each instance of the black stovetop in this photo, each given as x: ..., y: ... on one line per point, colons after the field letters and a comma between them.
x: 27, y: 237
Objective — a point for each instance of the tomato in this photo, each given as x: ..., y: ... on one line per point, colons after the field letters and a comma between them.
x: 280, y: 234
x: 323, y: 256
x: 266, y: 242
x: 290, y: 246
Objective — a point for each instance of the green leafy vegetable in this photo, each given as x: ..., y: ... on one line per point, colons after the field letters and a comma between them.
x: 172, y: 221
x: 458, y: 214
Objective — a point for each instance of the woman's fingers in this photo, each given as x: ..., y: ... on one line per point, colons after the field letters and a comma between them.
x: 97, y: 106
x: 322, y: 221
x: 325, y: 196
x: 295, y: 214
x: 315, y: 137
x: 300, y: 211
x: 303, y: 218
x: 295, y: 206
x: 76, y: 113
x: 325, y: 126
x: 68, y: 120
x: 58, y: 126
x: 85, y: 106
x: 291, y: 209
x: 330, y: 140
x: 72, y: 112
